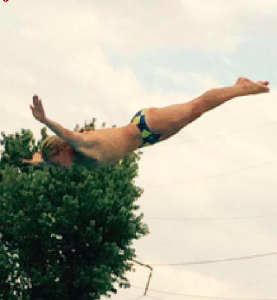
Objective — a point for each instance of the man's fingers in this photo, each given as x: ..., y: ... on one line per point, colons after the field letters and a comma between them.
x: 31, y: 162
x: 26, y: 161
x: 36, y: 106
x: 35, y: 100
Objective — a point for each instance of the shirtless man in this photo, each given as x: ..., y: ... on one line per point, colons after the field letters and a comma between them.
x: 101, y: 148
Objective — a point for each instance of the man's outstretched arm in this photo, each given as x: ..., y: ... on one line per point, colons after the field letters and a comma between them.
x: 73, y: 138
x: 35, y: 161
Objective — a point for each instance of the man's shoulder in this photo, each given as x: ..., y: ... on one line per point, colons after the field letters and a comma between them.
x: 86, y: 138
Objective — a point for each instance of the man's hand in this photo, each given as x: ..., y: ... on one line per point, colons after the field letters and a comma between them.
x: 37, y: 109
x: 74, y: 139
x: 36, y: 160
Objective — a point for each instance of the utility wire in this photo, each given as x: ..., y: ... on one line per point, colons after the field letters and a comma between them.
x: 207, y: 297
x: 212, y: 176
x: 197, y: 296
x: 150, y: 275
x: 211, y: 219
x: 215, y: 136
x: 242, y: 287
x: 139, y: 297
x: 214, y: 219
x: 217, y: 260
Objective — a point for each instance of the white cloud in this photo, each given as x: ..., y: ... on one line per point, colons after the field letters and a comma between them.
x: 128, y: 28
x: 190, y: 80
x: 61, y: 51
x: 162, y: 281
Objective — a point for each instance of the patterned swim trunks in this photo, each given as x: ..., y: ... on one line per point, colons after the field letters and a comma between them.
x: 149, y: 137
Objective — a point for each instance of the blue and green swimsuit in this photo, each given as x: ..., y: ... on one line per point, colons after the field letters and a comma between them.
x: 149, y: 137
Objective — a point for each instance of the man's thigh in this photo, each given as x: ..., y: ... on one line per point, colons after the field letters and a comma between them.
x: 169, y: 120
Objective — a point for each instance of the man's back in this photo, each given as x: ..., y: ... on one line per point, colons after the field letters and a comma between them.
x: 107, y: 146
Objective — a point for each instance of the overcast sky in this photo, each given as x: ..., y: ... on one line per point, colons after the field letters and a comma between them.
x: 210, y: 191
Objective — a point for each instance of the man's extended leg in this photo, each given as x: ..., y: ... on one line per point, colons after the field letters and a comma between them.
x: 171, y: 119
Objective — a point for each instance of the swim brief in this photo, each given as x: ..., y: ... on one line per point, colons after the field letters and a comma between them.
x: 148, y: 137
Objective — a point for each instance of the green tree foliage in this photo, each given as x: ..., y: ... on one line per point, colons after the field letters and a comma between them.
x: 65, y: 234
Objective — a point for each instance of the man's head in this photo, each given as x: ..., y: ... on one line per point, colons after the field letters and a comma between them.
x: 56, y: 151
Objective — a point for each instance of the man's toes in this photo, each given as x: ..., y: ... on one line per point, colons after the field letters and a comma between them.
x: 264, y: 83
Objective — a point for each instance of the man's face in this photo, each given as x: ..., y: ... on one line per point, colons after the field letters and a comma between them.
x: 61, y: 160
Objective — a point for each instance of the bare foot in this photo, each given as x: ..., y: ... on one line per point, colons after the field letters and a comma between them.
x: 249, y: 87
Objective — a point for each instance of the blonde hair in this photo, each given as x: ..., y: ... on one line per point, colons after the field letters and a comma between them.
x: 51, y: 146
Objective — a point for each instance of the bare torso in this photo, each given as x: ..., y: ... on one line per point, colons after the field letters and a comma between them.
x: 105, y: 147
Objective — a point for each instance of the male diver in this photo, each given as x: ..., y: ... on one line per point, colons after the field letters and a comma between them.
x: 103, y: 147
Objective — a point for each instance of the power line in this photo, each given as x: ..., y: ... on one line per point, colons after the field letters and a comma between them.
x: 196, y: 296
x: 215, y: 219
x: 139, y: 297
x: 153, y: 297
x: 211, y: 219
x: 242, y: 287
x: 217, y: 260
x: 221, y: 135
x: 207, y: 297
x: 213, y: 176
